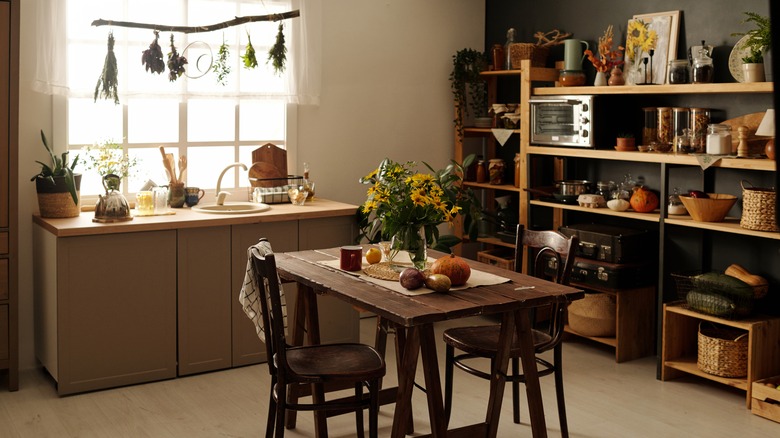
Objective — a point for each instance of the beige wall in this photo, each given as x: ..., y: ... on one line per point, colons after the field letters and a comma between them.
x: 385, y: 94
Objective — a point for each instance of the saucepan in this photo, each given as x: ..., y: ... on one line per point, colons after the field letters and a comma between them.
x: 550, y: 192
x: 573, y: 187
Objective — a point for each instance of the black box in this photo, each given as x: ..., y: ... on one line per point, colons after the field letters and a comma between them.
x: 613, y: 275
x: 612, y: 244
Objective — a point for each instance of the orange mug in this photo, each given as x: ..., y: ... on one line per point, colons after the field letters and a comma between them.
x: 351, y: 258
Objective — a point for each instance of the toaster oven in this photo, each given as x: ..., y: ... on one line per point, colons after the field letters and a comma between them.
x: 562, y: 121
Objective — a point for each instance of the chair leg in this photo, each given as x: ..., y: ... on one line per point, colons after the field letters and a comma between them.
x: 448, y: 369
x: 559, y: 390
x: 359, y: 410
x: 515, y: 390
x: 269, y: 425
x: 281, y: 408
x: 373, y: 409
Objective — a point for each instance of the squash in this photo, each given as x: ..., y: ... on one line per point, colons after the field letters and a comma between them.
x: 454, y: 267
x: 710, y: 304
x: 643, y: 200
x: 736, y: 290
x: 760, y: 284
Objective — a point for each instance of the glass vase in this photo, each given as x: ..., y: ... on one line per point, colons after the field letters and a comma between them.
x: 412, y: 239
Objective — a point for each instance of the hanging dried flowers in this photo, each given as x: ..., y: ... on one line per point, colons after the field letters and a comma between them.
x: 278, y: 51
x: 607, y: 58
x: 152, y: 57
x: 107, y: 84
x: 176, y: 63
x: 250, y: 61
x: 221, y: 67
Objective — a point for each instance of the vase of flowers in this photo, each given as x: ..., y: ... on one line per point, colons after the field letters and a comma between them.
x: 640, y: 46
x: 108, y: 158
x: 406, y: 206
x: 607, y: 58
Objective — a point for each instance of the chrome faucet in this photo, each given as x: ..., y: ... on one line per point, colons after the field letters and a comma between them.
x: 220, y: 194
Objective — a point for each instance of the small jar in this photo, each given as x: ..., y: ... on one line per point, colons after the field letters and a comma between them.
x: 680, y: 130
x: 605, y: 189
x: 498, y: 57
x: 675, y: 205
x: 496, y: 170
x: 718, y: 139
x: 678, y: 71
x: 702, y: 72
x: 481, y: 173
x: 571, y: 78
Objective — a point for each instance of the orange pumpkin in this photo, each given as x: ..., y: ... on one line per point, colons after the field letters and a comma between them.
x: 454, y: 267
x: 643, y: 200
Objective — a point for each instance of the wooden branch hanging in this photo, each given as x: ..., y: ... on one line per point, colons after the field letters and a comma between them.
x: 197, y: 29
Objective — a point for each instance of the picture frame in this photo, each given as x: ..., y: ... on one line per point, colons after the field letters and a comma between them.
x: 665, y: 27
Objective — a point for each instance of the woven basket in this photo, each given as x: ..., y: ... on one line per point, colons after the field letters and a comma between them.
x: 758, y: 209
x: 593, y: 315
x: 723, y: 351
x: 521, y: 51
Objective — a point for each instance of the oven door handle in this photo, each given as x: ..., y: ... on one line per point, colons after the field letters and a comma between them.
x: 567, y: 101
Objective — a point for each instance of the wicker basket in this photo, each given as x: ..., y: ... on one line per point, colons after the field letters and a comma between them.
x: 723, y: 351
x: 521, y: 51
x: 594, y: 315
x: 758, y: 209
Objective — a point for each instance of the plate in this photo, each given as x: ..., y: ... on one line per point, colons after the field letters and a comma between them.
x: 739, y: 51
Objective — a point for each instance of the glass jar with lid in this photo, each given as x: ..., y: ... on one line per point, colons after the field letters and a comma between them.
x: 650, y: 130
x: 702, y: 71
x: 664, y: 122
x: 718, y: 139
x: 675, y: 205
x: 700, y: 118
x: 678, y: 71
x: 681, y: 130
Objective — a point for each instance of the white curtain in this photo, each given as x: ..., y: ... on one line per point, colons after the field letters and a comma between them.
x: 68, y: 65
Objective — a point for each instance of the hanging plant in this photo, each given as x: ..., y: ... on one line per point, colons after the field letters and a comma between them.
x: 468, y: 88
x: 250, y: 61
x: 176, y: 63
x: 107, y: 85
x: 221, y: 67
x: 277, y: 54
x: 152, y: 57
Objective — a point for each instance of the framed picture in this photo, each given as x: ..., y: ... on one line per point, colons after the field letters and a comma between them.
x: 651, y: 42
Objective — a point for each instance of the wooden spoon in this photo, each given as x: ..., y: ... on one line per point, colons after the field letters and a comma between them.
x: 167, y: 165
x: 183, y: 168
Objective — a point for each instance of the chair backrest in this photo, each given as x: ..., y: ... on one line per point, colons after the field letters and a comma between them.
x: 272, y: 314
x: 552, y: 258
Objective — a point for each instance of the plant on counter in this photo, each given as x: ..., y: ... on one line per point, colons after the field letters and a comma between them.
x: 401, y: 198
x: 108, y: 158
x: 607, y: 58
x: 759, y: 38
x: 58, y: 168
x: 468, y: 88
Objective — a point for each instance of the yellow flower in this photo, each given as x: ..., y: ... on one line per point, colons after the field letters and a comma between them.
x: 418, y: 199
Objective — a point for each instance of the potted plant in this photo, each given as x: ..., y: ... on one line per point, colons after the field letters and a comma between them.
x: 57, y: 185
x: 759, y: 44
x: 626, y: 142
x: 468, y: 88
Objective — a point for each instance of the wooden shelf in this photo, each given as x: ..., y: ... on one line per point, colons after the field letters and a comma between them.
x: 730, y: 225
x: 680, y: 346
x: 478, y: 132
x: 505, y: 187
x: 653, y: 157
x: 722, y: 88
x: 540, y: 74
x: 650, y: 217
x: 612, y: 342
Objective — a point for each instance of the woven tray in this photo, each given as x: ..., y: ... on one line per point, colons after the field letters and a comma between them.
x: 723, y: 351
x: 388, y: 271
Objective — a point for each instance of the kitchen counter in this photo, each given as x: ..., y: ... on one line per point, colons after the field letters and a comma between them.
x: 187, y: 218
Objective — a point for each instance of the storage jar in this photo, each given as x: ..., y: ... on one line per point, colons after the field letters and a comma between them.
x: 718, y: 139
x: 700, y: 118
x: 496, y: 171
x: 664, y: 122
x: 678, y: 71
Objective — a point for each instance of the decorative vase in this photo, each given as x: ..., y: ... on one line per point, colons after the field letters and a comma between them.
x: 753, y: 72
x: 55, y: 200
x: 616, y: 77
x: 601, y: 79
x: 411, y: 238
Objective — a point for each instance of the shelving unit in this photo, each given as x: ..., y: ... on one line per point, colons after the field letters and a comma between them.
x: 677, y: 342
x: 679, y: 353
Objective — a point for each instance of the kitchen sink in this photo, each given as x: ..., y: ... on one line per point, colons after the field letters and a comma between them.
x: 232, y: 208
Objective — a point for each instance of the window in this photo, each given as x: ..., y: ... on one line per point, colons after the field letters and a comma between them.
x: 214, y: 125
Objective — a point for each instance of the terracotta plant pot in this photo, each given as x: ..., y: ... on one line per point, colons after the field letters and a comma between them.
x: 626, y: 144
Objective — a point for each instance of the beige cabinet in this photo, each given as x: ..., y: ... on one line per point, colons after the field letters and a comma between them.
x: 108, y: 316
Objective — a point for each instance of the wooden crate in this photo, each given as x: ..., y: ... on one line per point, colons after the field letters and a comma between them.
x: 501, y: 257
x: 766, y: 400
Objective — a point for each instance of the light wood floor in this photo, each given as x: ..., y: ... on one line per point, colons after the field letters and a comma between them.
x: 603, y: 399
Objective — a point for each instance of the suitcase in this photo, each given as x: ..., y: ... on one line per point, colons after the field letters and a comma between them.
x: 610, y: 243
x: 612, y: 275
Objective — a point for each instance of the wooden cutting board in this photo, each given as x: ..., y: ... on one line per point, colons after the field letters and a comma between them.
x: 271, y: 154
x: 263, y: 174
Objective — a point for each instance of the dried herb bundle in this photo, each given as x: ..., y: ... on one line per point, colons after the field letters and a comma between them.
x: 250, y: 61
x: 107, y: 85
x: 176, y: 63
x: 278, y: 51
x: 152, y: 57
x: 221, y: 67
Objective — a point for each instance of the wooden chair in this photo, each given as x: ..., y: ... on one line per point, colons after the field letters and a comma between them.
x: 553, y: 259
x: 317, y: 365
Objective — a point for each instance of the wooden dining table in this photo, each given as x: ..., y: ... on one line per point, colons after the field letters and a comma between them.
x: 414, y: 317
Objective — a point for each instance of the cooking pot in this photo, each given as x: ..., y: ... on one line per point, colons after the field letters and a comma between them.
x: 573, y: 187
x: 549, y: 192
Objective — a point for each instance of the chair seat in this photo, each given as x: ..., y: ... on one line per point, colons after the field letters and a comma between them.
x: 483, y: 340
x: 334, y: 362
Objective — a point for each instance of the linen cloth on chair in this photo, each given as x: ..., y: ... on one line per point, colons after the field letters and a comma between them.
x: 248, y: 296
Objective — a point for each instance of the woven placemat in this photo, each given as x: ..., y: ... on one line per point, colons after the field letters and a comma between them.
x: 388, y: 271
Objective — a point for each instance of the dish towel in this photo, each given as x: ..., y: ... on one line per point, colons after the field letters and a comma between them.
x: 249, y: 295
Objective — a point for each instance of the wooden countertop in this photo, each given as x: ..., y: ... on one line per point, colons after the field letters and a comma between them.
x: 186, y: 218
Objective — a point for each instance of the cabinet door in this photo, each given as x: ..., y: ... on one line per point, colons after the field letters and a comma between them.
x: 116, y: 310
x: 204, y: 298
x: 247, y: 348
